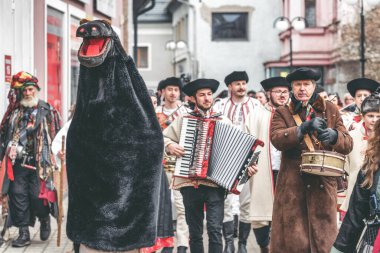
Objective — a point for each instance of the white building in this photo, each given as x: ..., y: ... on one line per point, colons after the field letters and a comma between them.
x: 223, y: 36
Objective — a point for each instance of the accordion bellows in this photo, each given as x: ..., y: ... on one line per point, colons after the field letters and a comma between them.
x: 216, y: 151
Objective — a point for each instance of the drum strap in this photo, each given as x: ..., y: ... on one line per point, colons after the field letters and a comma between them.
x: 306, y: 137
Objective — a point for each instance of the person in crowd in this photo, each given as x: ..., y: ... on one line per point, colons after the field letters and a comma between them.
x: 320, y: 90
x: 166, y: 113
x: 200, y: 194
x: 236, y: 108
x: 262, y: 185
x: 359, y: 89
x: 262, y: 97
x: 251, y: 93
x: 26, y: 132
x: 348, y: 99
x: 335, y: 99
x: 363, y: 206
x: 153, y: 97
x: 222, y: 94
x: 304, y: 211
x: 171, y: 106
x: 370, y: 110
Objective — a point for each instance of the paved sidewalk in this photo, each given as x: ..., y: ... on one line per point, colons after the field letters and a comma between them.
x: 38, y: 246
x: 50, y: 246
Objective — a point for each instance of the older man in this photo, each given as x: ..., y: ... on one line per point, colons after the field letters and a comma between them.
x: 304, y: 212
x: 26, y: 133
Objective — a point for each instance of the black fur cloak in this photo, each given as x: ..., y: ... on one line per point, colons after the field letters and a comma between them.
x: 114, y: 149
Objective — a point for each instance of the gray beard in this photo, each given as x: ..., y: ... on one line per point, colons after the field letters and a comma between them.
x: 29, y: 102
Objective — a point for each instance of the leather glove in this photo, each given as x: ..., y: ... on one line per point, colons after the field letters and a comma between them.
x: 328, y: 136
x: 315, y: 124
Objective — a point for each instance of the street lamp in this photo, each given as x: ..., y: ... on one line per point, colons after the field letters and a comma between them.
x: 173, y: 46
x: 362, y: 29
x: 283, y: 23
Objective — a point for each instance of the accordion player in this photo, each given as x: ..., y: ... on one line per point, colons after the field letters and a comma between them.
x: 214, y: 151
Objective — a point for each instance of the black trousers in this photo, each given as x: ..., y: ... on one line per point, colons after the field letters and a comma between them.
x: 194, y: 200
x: 24, y: 203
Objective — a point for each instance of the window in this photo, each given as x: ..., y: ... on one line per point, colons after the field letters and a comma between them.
x: 310, y: 13
x: 143, y: 57
x: 230, y: 26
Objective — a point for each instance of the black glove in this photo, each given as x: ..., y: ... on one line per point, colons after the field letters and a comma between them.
x: 315, y: 124
x: 328, y: 136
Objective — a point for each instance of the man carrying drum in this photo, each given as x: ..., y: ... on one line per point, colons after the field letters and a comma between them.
x: 304, y: 212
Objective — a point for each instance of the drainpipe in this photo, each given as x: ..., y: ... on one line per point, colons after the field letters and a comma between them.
x: 135, y: 27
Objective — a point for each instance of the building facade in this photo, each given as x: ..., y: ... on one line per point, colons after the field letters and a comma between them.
x: 223, y: 36
x: 42, y: 41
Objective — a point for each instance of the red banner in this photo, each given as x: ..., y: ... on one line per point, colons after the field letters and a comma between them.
x: 8, y: 68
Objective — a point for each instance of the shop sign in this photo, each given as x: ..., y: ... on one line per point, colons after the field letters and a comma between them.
x: 8, y: 68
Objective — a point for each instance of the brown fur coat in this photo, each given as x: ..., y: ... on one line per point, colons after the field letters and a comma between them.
x: 304, y: 212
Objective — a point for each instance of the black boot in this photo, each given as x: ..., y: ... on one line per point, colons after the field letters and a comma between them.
x: 45, y: 228
x: 244, y: 229
x: 236, y: 225
x: 228, y: 234
x: 181, y: 249
x: 23, y: 238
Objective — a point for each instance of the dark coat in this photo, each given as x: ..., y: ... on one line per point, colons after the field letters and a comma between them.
x: 304, y: 212
x: 114, y: 155
x: 353, y: 223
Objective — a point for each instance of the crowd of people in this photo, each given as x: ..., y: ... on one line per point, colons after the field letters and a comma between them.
x: 127, y: 159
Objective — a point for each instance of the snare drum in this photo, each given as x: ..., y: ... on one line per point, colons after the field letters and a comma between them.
x: 323, y: 163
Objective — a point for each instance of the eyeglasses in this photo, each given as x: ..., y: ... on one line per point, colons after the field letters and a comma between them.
x: 279, y: 92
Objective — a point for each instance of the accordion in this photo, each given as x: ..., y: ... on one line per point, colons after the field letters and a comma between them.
x: 216, y: 151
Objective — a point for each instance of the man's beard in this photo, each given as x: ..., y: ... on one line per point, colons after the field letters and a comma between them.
x: 29, y: 102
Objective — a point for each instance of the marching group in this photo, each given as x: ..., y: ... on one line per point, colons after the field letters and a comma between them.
x: 287, y: 211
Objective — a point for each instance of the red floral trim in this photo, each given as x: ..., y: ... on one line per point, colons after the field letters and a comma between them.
x: 167, y: 242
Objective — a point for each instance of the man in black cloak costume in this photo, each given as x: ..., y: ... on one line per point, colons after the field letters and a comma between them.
x: 114, y: 149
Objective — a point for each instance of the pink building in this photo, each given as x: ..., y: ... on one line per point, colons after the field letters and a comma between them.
x: 312, y: 46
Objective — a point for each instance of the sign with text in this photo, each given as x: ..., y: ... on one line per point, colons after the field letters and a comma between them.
x: 8, y: 68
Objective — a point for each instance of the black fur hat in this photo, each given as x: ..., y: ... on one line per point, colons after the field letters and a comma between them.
x: 236, y: 76
x: 274, y: 82
x: 303, y: 74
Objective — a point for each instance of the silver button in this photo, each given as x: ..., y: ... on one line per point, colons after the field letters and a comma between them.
x: 308, y: 186
x: 322, y: 186
x: 286, y: 134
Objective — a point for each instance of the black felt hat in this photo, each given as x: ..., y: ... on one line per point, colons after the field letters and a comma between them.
x: 191, y: 88
x: 303, y: 74
x: 236, y: 76
x: 361, y: 84
x: 172, y: 81
x: 274, y: 82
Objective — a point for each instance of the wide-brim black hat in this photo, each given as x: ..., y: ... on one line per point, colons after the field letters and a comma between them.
x: 236, y: 76
x: 361, y: 84
x: 172, y: 81
x: 303, y: 74
x: 191, y: 88
x: 274, y: 82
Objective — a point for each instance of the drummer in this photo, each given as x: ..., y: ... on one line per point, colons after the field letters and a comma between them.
x: 304, y: 211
